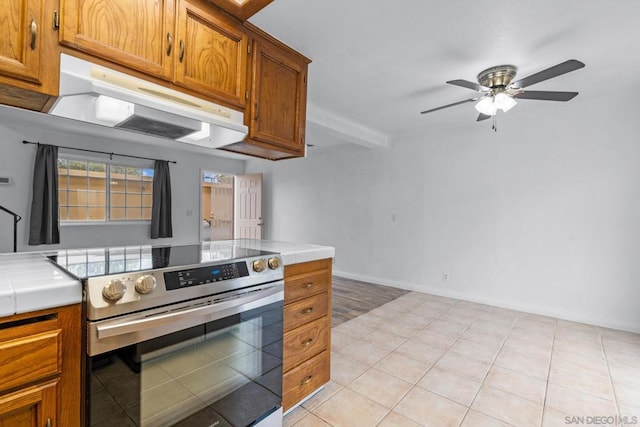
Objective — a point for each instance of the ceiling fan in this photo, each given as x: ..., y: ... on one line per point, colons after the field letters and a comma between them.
x: 498, y: 91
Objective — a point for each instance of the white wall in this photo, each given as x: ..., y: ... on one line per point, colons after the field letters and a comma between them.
x: 542, y: 216
x: 16, y: 161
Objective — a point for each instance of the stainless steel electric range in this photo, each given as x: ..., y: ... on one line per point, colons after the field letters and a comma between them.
x: 181, y: 335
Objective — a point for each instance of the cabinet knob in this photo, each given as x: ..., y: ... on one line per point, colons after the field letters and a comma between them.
x: 307, y: 380
x: 307, y: 310
x: 308, y: 285
x: 307, y: 343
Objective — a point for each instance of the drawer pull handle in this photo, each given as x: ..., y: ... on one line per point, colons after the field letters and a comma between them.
x: 49, y: 422
x: 307, y: 310
x: 181, y: 57
x: 307, y: 380
x: 308, y: 285
x: 307, y: 343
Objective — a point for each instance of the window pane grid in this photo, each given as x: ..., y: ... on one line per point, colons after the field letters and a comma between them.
x: 101, y: 191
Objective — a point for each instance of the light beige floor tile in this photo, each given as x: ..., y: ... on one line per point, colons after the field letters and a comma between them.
x: 517, y: 383
x: 536, y: 318
x: 364, y: 352
x: 421, y: 351
x: 594, y: 361
x: 493, y: 340
x: 615, y: 345
x: 577, y: 403
x: 384, y: 339
x: 345, y: 369
x: 400, y: 328
x: 532, y: 365
x: 419, y: 321
x: 320, y: 397
x: 577, y: 344
x: 508, y: 407
x: 543, y: 339
x: 555, y: 418
x: 518, y: 345
x: 372, y: 320
x: 621, y: 336
x: 628, y: 398
x: 354, y: 328
x: 429, y: 409
x: 348, y: 408
x: 396, y: 420
x: 447, y: 328
x: 403, y: 367
x: 340, y: 340
x: 380, y: 387
x: 491, y: 326
x: 294, y: 416
x: 624, y: 373
x: 450, y: 385
x: 473, y: 369
x: 621, y: 357
x: 457, y: 317
x: 474, y: 350
x: 435, y: 339
x: 478, y: 419
x: 583, y: 380
x: 310, y: 420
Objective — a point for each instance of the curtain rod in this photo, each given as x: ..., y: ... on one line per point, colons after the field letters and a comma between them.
x: 102, y: 152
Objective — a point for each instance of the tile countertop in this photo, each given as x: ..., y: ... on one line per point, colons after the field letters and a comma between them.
x: 30, y: 282
x: 292, y: 253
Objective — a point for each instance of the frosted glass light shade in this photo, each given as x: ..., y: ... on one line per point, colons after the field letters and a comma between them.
x: 504, y: 102
x: 486, y: 106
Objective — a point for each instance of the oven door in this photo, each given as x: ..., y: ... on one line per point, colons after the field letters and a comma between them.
x: 211, y: 362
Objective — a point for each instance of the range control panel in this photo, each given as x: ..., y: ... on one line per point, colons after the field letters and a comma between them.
x: 203, y: 275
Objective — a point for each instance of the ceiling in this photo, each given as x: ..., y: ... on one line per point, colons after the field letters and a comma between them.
x: 376, y: 67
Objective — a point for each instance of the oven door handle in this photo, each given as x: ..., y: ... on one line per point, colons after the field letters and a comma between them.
x: 208, y: 312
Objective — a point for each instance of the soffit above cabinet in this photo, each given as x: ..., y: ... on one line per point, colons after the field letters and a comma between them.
x: 241, y: 9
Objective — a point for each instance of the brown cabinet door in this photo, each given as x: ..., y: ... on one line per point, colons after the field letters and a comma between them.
x: 32, y: 406
x: 20, y: 44
x: 241, y: 9
x: 278, y: 98
x: 211, y: 54
x: 135, y: 33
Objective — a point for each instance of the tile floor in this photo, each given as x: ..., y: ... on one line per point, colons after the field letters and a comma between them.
x: 432, y: 361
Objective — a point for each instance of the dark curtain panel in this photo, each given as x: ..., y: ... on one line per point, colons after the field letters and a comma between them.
x: 161, y: 209
x: 43, y: 227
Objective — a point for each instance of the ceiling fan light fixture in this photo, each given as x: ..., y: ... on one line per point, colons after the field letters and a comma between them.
x: 486, y: 106
x: 504, y: 102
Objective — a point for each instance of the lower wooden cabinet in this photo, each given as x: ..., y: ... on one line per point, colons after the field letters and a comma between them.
x: 307, y: 329
x: 40, y: 368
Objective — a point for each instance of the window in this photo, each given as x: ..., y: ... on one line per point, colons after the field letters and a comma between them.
x: 103, y: 191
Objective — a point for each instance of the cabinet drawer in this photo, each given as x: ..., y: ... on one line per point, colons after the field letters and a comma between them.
x: 306, y: 310
x: 306, y: 378
x: 29, y: 358
x: 304, y: 342
x: 305, y: 285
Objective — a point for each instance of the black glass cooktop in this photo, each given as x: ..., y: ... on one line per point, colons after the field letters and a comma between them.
x: 86, y: 263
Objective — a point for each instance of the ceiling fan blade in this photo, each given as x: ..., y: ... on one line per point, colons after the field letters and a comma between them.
x: 544, y: 95
x: 449, y: 105
x: 469, y: 85
x: 556, y: 70
x: 482, y: 117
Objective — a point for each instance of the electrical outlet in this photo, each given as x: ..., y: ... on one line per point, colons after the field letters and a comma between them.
x: 445, y: 277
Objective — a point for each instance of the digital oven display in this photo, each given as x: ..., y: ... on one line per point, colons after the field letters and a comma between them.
x: 203, y: 275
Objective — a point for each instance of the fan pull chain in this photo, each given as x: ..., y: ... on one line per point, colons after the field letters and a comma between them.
x: 495, y: 123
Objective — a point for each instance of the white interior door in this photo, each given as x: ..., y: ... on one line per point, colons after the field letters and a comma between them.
x: 248, y: 221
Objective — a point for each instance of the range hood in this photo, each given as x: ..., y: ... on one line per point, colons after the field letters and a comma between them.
x: 100, y: 95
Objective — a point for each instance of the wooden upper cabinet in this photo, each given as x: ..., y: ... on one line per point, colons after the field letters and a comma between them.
x: 211, y: 53
x: 19, y: 44
x: 138, y: 34
x: 29, y: 57
x: 241, y: 9
x: 277, y: 112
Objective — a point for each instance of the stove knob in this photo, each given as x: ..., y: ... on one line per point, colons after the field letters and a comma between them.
x: 274, y: 263
x: 145, y: 284
x: 259, y: 265
x: 114, y: 290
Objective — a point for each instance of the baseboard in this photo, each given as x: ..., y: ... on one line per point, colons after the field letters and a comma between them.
x: 619, y: 325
